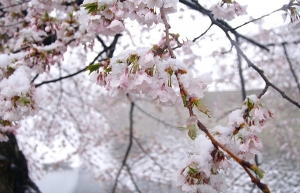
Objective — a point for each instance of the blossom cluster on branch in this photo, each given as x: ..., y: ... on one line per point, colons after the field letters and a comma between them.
x: 202, y: 170
x: 36, y: 34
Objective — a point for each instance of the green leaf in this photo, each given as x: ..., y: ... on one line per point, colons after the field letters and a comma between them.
x: 102, y: 7
x: 202, y: 107
x: 257, y: 171
x: 185, y: 102
x: 10, y: 70
x: 192, y: 131
x: 93, y: 68
x: 91, y: 7
x: 24, y: 101
x: 133, y: 59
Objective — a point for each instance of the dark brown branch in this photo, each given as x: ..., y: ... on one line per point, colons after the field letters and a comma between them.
x: 261, y: 73
x: 220, y: 23
x: 128, y: 148
x: 61, y: 78
x: 34, y: 78
x: 285, y: 42
x: 109, y: 50
x: 263, y: 91
x: 246, y: 165
x: 101, y: 41
x: 195, y: 39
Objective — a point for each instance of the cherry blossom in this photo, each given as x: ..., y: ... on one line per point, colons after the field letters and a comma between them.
x: 36, y: 35
x: 227, y: 11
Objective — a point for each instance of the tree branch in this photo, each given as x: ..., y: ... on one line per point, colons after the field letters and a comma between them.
x: 109, y: 50
x: 220, y: 23
x: 261, y: 73
x: 291, y: 66
x: 128, y: 148
x: 253, y: 20
x: 146, y: 153
x: 167, y: 27
x: 155, y: 118
x: 241, y: 72
x: 131, y: 177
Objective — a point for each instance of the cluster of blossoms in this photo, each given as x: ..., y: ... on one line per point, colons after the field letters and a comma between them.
x: 144, y: 72
x: 34, y: 36
x: 246, y: 123
x: 228, y: 9
x: 37, y: 34
x: 17, y: 96
x: 201, y: 171
x: 292, y: 9
x: 107, y: 17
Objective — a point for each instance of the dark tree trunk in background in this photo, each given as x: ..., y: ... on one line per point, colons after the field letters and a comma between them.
x: 14, y: 176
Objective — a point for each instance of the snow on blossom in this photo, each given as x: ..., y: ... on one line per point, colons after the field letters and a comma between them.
x: 235, y: 118
x: 147, y: 60
x: 195, y: 173
x: 165, y: 95
x: 17, y: 96
x: 9, y: 59
x: 140, y: 72
x: 258, y: 114
x: 116, y: 26
x: 251, y: 144
x: 111, y: 14
x: 245, y: 124
x: 196, y: 86
x: 222, y: 134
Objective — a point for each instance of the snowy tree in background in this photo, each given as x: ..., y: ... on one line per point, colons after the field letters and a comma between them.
x: 50, y: 58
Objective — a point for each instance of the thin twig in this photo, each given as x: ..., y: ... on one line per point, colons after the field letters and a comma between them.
x: 131, y: 177
x: 155, y: 118
x: 220, y: 23
x: 261, y: 73
x: 291, y: 66
x: 240, y: 161
x: 146, y: 153
x: 34, y: 78
x: 245, y: 164
x: 195, y: 39
x: 253, y: 20
x: 241, y: 72
x: 109, y: 50
x: 167, y: 27
x: 128, y: 148
x: 61, y: 78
